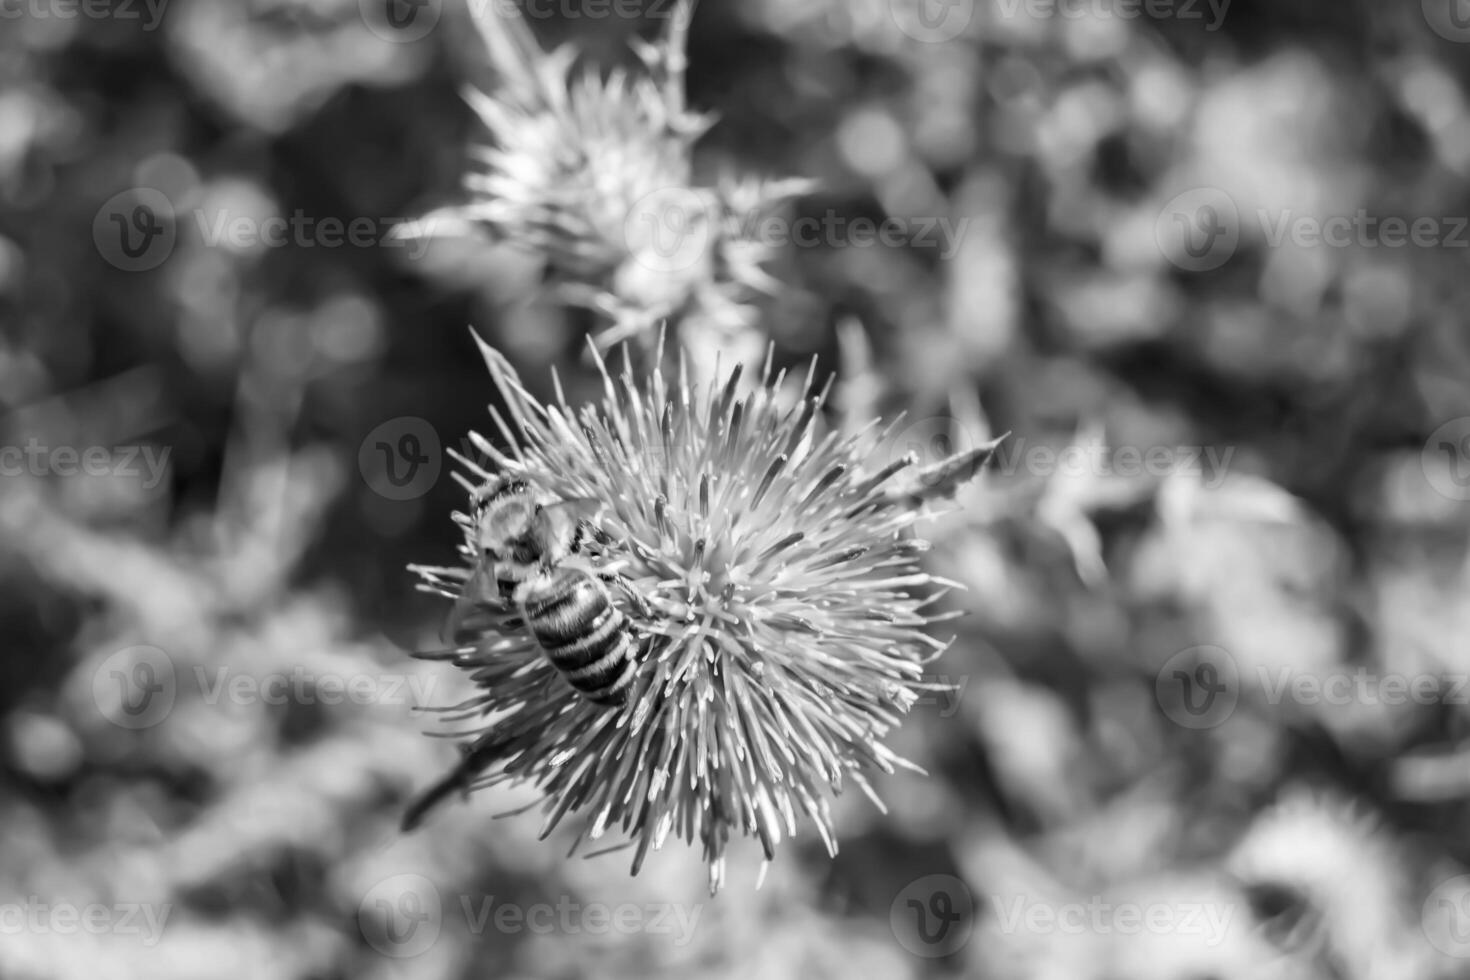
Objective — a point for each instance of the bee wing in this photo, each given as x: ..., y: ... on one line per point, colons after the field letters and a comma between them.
x: 481, y: 590
x: 584, y: 508
x: 559, y: 517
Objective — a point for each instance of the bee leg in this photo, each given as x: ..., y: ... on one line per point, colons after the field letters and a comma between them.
x: 622, y: 584
x: 473, y: 760
x: 601, y: 537
x: 611, y: 574
x: 430, y: 798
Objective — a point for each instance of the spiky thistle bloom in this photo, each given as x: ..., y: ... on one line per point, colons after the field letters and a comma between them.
x: 775, y: 588
x: 594, y: 172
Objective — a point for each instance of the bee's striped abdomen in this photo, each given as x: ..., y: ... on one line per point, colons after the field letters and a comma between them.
x: 582, y: 633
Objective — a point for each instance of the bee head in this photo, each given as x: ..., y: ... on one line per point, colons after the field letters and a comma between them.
x: 517, y: 530
x: 507, y: 515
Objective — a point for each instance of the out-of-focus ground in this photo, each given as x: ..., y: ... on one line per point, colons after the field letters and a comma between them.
x: 1207, y: 264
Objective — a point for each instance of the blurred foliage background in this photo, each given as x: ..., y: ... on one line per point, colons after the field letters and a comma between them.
x: 1323, y: 534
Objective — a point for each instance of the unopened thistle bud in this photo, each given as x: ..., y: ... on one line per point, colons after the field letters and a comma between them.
x: 594, y: 172
x: 769, y: 574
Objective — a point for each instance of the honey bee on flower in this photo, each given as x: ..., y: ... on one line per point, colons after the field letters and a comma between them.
x: 769, y: 579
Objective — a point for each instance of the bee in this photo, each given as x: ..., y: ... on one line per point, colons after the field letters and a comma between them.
x: 531, y: 554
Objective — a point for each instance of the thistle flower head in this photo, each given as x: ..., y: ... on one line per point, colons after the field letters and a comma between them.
x: 594, y: 172
x: 774, y: 586
x: 573, y: 150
